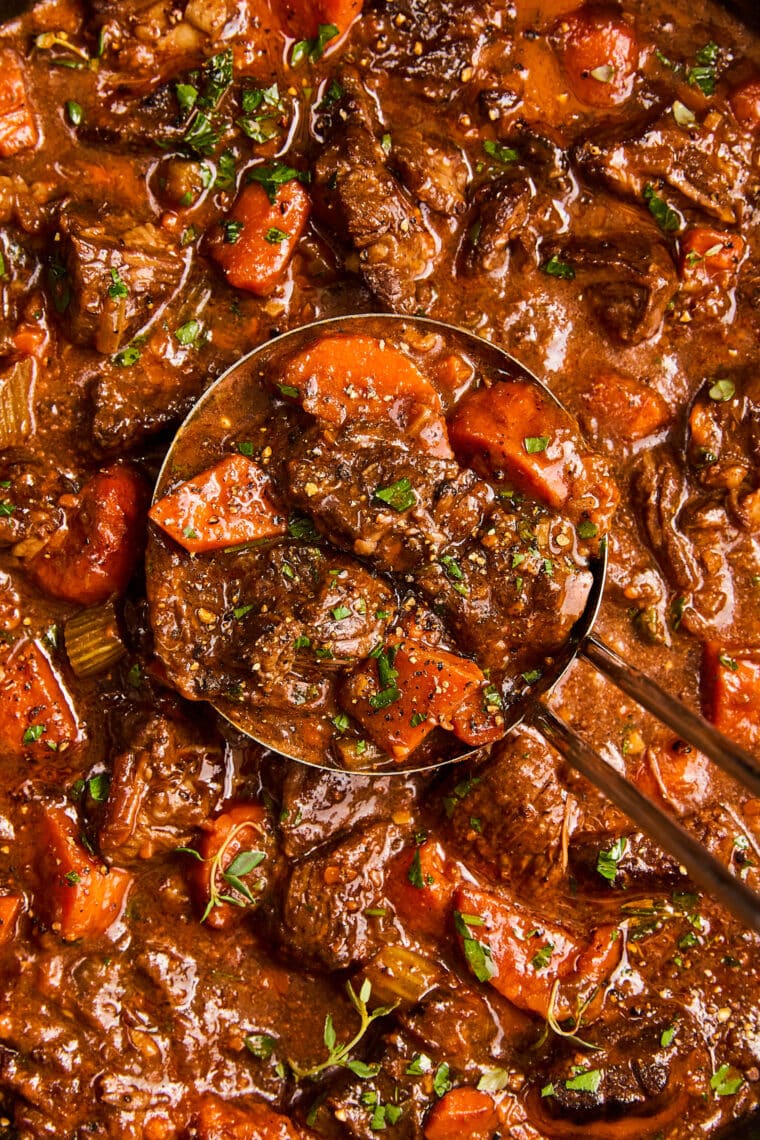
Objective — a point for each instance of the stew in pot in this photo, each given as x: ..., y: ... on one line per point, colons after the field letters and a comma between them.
x: 199, y: 937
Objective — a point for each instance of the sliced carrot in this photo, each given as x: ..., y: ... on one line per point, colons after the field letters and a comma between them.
x: 257, y: 240
x: 79, y: 897
x: 731, y: 691
x: 216, y: 1119
x: 344, y: 377
x: 512, y: 431
x: 93, y: 555
x: 525, y: 956
x: 36, y: 713
x: 224, y: 838
x: 745, y: 103
x: 599, y: 54
x: 10, y: 909
x: 710, y: 257
x: 223, y: 506
x: 398, y: 712
x: 303, y: 18
x: 627, y: 410
x: 676, y: 773
x: 420, y: 883
x: 18, y: 130
x: 462, y: 1112
x: 31, y: 339
x: 479, y: 720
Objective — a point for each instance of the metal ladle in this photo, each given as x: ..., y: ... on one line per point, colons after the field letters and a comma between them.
x: 192, y: 450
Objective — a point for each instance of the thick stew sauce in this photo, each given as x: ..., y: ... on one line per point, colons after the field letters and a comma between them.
x: 370, y: 554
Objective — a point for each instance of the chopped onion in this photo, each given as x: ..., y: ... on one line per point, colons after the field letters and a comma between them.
x: 92, y: 639
x: 398, y: 974
x: 683, y: 115
x: 17, y: 421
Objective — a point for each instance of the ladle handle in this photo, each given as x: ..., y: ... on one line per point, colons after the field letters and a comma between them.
x: 703, y: 867
x: 733, y: 759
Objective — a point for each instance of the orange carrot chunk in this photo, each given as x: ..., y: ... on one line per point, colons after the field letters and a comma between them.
x: 303, y: 18
x: 401, y: 695
x: 599, y: 54
x: 462, y: 1112
x: 78, y: 897
x: 731, y: 691
x: 676, y: 773
x: 241, y: 829
x: 216, y: 1119
x: 745, y: 103
x: 421, y: 882
x: 18, y: 130
x: 257, y: 240
x: 225, y: 505
x: 94, y: 554
x: 710, y: 257
x: 511, y: 431
x: 10, y: 908
x: 348, y: 378
x: 36, y: 714
x: 522, y: 957
x: 625, y: 409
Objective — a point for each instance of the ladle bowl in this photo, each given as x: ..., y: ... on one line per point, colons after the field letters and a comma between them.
x: 241, y: 386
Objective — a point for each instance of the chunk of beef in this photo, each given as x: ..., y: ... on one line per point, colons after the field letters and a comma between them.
x: 724, y: 440
x: 337, y: 483
x: 710, y: 167
x: 519, y: 569
x: 628, y: 278
x: 118, y: 275
x: 163, y: 786
x: 32, y: 514
x: 324, y: 917
x: 695, y: 542
x: 358, y: 196
x: 318, y: 806
x: 643, y: 866
x: 500, y: 212
x: 640, y: 1077
x: 432, y: 168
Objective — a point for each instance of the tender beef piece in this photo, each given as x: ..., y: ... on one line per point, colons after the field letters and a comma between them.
x: 323, y: 920
x: 163, y: 786
x: 627, y: 277
x: 318, y: 806
x: 644, y: 866
x: 500, y: 211
x: 118, y: 274
x: 432, y: 168
x: 693, y: 539
x: 640, y: 1078
x: 358, y: 196
x: 523, y: 570
x: 34, y: 491
x: 710, y: 167
x: 336, y: 483
x: 460, y: 1025
x: 724, y: 442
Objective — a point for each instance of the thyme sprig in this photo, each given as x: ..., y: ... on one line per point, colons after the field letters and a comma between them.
x: 339, y: 1054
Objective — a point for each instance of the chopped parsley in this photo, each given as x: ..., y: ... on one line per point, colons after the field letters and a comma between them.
x: 274, y: 175
x: 275, y: 236
x: 587, y: 1080
x: 33, y: 733
x: 534, y: 444
x: 261, y: 1045
x: 232, y: 231
x: 399, y: 495
x: 726, y: 1081
x: 478, y: 954
x: 500, y: 153
x: 74, y: 112
x: 555, y: 267
x: 607, y: 861
x: 542, y: 957
x: 187, y: 96
x: 587, y: 529
x: 666, y: 217
x: 128, y: 356
x: 117, y: 288
x: 188, y: 333
x: 493, y: 1080
x: 313, y: 49
x: 704, y: 73
x: 442, y: 1080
